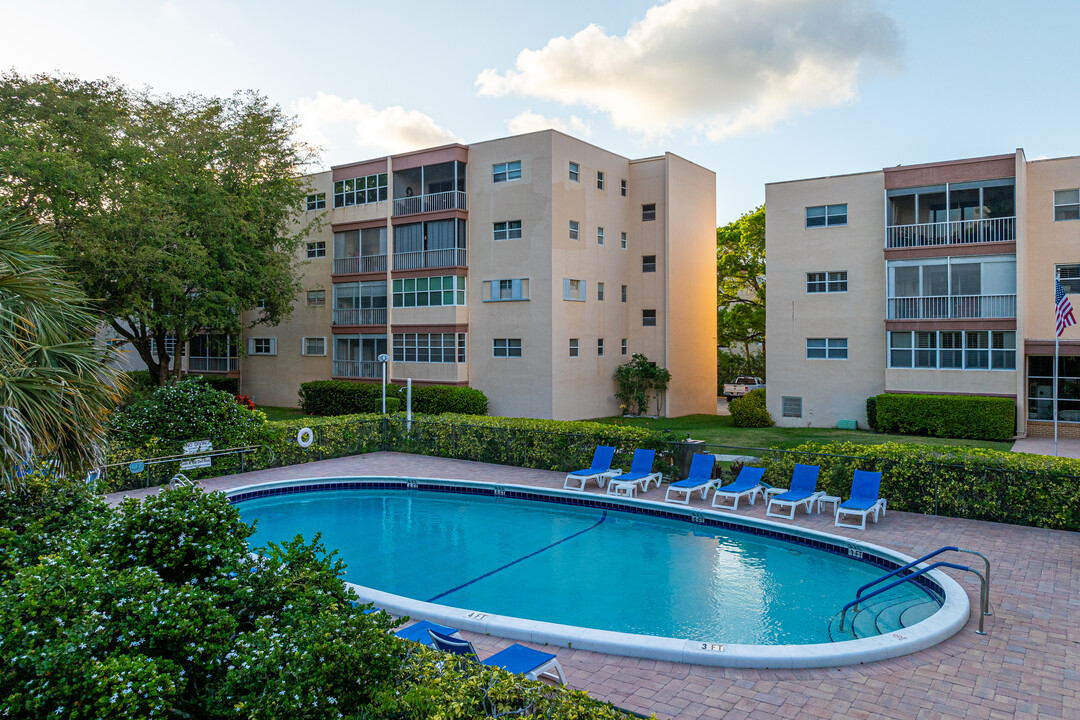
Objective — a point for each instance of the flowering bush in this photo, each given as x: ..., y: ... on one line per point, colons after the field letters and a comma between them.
x: 188, y: 410
x: 245, y: 401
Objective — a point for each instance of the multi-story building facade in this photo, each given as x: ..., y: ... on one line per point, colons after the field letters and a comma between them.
x: 934, y: 278
x: 529, y: 267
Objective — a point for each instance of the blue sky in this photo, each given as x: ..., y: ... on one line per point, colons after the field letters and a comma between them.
x: 756, y: 90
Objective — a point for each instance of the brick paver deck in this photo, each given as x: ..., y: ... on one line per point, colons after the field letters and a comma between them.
x: 1026, y: 666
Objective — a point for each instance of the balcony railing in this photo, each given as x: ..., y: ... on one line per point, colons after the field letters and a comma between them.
x: 951, y: 306
x: 364, y: 263
x: 360, y: 316
x: 212, y: 364
x: 429, y: 259
x: 450, y: 200
x: 357, y: 369
x: 955, y: 232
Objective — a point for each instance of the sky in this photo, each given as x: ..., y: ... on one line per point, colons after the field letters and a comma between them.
x: 756, y: 90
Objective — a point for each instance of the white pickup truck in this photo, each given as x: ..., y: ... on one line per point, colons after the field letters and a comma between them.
x: 742, y: 385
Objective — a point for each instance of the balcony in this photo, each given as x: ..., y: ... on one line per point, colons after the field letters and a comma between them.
x: 360, y: 316
x: 954, y: 232
x: 433, y: 202
x: 357, y: 369
x: 420, y: 259
x: 950, y: 307
x: 362, y: 264
x: 212, y: 364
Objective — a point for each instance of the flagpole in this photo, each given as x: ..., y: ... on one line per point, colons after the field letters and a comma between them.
x: 1056, y: 338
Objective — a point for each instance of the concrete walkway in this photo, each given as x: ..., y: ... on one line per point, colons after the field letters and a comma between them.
x: 1026, y: 666
x: 1066, y: 447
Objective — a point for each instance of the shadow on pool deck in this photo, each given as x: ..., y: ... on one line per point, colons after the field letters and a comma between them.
x: 1026, y: 666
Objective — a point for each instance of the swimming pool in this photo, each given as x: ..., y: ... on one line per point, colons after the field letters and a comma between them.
x: 597, y: 568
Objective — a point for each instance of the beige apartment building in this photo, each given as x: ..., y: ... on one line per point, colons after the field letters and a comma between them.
x: 934, y: 278
x: 529, y: 267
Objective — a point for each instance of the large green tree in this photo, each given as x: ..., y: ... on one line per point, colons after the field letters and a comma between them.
x: 176, y: 213
x: 740, y: 281
x: 56, y: 386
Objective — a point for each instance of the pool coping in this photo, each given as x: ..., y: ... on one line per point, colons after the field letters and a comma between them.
x: 949, y: 619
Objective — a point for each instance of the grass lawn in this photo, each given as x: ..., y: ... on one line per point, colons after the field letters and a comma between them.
x: 281, y: 413
x: 719, y: 430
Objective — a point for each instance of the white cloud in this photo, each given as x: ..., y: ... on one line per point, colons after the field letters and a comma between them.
x: 529, y: 121
x: 722, y: 66
x: 348, y: 129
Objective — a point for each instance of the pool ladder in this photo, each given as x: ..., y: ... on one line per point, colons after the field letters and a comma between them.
x: 984, y: 581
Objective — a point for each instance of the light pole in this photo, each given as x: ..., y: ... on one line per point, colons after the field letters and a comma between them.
x: 384, y: 358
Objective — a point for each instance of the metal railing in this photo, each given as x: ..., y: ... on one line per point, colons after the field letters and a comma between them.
x: 357, y: 369
x: 430, y: 258
x: 359, y: 316
x: 948, y: 548
x: 953, y: 232
x: 212, y: 364
x: 144, y: 467
x: 433, y: 202
x: 361, y: 264
x: 951, y: 306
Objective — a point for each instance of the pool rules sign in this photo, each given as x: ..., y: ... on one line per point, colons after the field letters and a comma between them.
x: 193, y: 447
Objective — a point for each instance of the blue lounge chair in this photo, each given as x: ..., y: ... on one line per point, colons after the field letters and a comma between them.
x: 865, y: 490
x: 600, y: 471
x: 517, y: 658
x: 418, y: 632
x: 803, y: 492
x: 699, y: 478
x: 639, y: 476
x: 748, y: 484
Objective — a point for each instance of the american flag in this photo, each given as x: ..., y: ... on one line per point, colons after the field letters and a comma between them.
x: 1064, y: 309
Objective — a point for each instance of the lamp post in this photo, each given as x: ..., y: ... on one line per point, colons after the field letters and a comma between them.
x: 384, y: 358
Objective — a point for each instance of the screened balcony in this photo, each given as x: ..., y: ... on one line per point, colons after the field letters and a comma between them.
x: 952, y: 288
x: 439, y: 243
x: 431, y: 188
x: 360, y: 303
x: 951, y: 214
x: 356, y: 356
x: 213, y: 353
x: 360, y: 251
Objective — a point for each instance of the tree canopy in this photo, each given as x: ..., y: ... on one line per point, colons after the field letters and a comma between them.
x: 740, y: 281
x: 175, y: 213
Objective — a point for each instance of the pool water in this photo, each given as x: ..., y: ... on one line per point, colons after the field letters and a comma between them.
x: 582, y: 566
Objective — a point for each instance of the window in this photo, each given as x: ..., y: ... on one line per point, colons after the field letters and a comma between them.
x: 600, y: 347
x: 826, y: 215
x: 1069, y: 277
x: 826, y: 282
x: 622, y: 188
x: 316, y: 298
x: 953, y: 350
x: 316, y: 201
x: 625, y: 347
x: 599, y: 180
x: 826, y: 348
x: 314, y: 346
x: 573, y: 347
x: 429, y: 291
x: 1040, y: 372
x: 316, y: 249
x: 648, y: 263
x: 623, y: 288
x: 648, y: 212
x: 951, y: 353
x: 262, y: 346
x: 925, y: 349
x: 507, y: 171
x: 574, y: 171
x: 599, y: 236
x: 506, y: 347
x: 791, y: 406
x: 510, y: 289
x: 260, y: 304
x: 361, y: 190
x: 648, y: 318
x: 429, y: 347
x: 573, y: 289
x: 574, y: 229
x: 509, y: 230
x: 900, y: 349
x: 1066, y: 205
x: 170, y: 346
x: 623, y: 244
x: 600, y: 291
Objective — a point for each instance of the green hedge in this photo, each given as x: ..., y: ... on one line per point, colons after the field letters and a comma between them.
x: 224, y: 384
x: 341, y: 397
x: 974, y: 483
x: 955, y: 416
x: 750, y: 411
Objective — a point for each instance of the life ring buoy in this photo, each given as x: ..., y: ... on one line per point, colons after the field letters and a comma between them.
x: 305, y: 437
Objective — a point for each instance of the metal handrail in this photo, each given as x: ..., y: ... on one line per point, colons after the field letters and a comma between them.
x: 240, y: 451
x: 983, y: 597
x: 985, y: 609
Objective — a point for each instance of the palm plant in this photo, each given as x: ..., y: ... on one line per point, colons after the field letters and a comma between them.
x: 57, y: 386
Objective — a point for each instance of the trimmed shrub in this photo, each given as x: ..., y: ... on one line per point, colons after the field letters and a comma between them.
x: 871, y: 412
x: 341, y: 397
x: 224, y: 384
x: 954, y: 416
x: 439, y: 399
x: 750, y: 411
